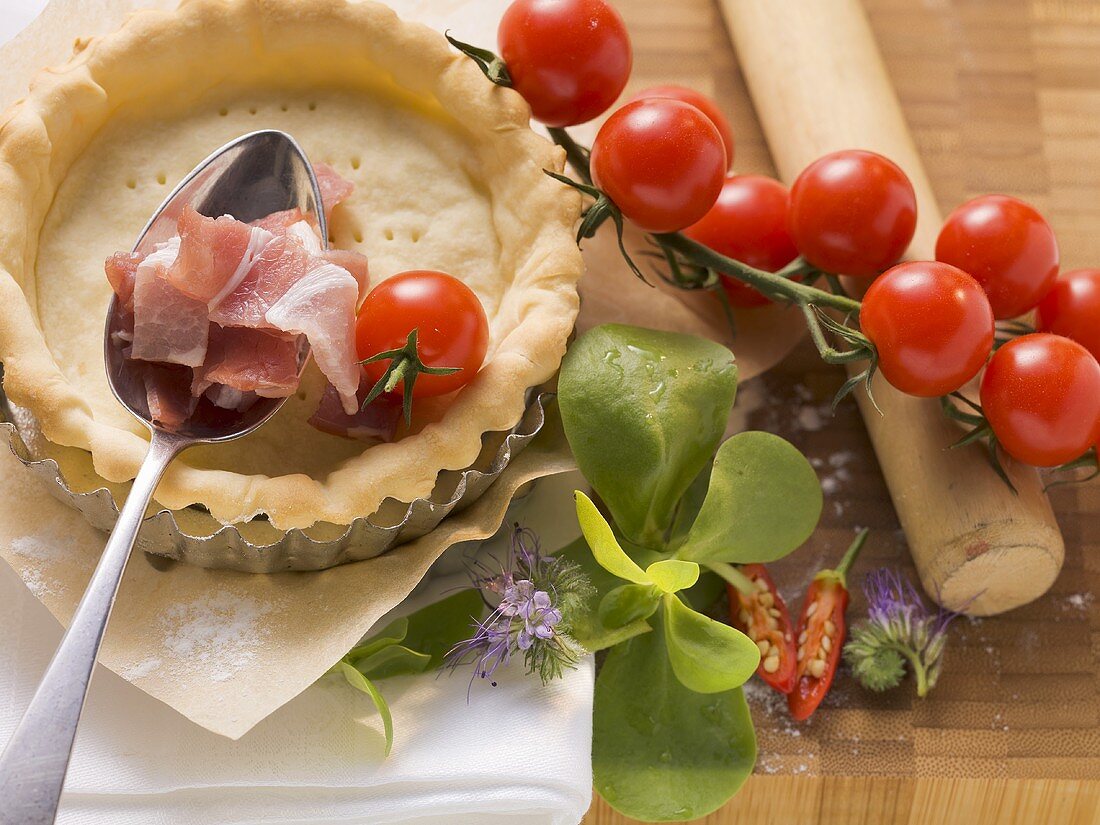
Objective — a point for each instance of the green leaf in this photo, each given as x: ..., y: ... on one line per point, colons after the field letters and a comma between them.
x: 707, y: 656
x: 439, y: 626
x: 764, y: 501
x: 672, y: 574
x: 395, y: 660
x: 629, y: 603
x: 585, y: 625
x: 644, y: 411
x: 605, y: 547
x: 688, y: 509
x: 391, y: 634
x: 358, y: 681
x: 661, y: 752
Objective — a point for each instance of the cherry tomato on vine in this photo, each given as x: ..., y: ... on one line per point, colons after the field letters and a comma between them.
x: 569, y: 59
x: 931, y: 324
x: 701, y: 102
x: 748, y: 223
x: 852, y: 213
x: 1041, y: 395
x: 1072, y: 308
x: 1007, y: 247
x: 661, y: 161
x: 452, y: 330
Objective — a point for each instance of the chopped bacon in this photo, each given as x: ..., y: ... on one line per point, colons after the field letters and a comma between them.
x: 334, y: 189
x: 249, y: 360
x: 121, y: 270
x: 170, y: 404
x: 219, y: 311
x: 321, y: 306
x: 169, y: 327
x: 280, y: 265
x: 354, y: 263
x: 376, y: 422
x: 215, y: 254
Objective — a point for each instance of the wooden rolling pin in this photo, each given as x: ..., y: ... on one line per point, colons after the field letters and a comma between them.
x: 819, y: 84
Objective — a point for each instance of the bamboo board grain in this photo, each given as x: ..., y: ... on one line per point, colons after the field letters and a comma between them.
x: 1001, y: 96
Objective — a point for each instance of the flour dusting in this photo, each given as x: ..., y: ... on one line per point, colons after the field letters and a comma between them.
x: 219, y: 633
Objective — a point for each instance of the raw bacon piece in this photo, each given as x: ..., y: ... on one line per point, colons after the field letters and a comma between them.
x: 354, y: 263
x: 334, y: 188
x: 215, y: 255
x: 121, y: 269
x: 376, y: 422
x: 279, y: 266
x: 279, y: 222
x: 321, y: 306
x: 169, y: 327
x: 170, y: 404
x: 249, y: 360
x: 230, y: 399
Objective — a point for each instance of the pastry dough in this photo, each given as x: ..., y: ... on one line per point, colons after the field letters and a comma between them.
x: 448, y: 176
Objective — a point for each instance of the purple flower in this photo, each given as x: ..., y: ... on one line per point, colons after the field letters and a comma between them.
x: 526, y: 597
x: 899, y: 630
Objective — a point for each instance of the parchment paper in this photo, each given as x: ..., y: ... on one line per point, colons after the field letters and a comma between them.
x: 226, y: 649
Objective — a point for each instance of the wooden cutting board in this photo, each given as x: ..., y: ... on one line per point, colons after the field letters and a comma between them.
x: 1001, y: 96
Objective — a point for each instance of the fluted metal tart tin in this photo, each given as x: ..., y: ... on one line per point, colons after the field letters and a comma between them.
x: 194, y: 537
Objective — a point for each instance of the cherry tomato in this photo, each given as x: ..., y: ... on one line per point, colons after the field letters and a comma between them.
x: 569, y: 59
x: 452, y: 330
x: 661, y: 161
x: 852, y: 213
x: 1072, y: 308
x: 701, y: 102
x: 1007, y: 246
x: 748, y: 223
x: 1041, y: 395
x: 762, y: 616
x: 931, y: 324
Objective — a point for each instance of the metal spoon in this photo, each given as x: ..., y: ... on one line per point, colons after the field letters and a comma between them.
x: 249, y: 178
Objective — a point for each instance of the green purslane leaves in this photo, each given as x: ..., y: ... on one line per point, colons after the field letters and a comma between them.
x: 706, y: 656
x: 662, y: 752
x: 644, y: 411
x: 597, y: 532
x: 673, y: 575
x: 764, y: 501
x: 629, y: 603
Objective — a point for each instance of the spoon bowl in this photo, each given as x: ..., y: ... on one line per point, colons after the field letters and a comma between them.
x: 248, y: 178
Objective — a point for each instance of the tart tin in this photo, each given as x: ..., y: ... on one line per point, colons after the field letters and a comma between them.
x: 195, y: 537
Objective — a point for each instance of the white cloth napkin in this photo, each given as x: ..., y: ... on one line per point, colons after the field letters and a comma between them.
x: 516, y: 753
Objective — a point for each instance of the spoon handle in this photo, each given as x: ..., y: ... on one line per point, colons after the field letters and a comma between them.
x: 33, y: 765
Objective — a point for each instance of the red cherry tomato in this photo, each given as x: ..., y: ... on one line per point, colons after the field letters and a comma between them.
x: 1007, y: 247
x: 701, y: 102
x: 452, y: 330
x: 570, y: 59
x: 931, y: 324
x: 748, y: 223
x: 661, y: 161
x: 852, y: 213
x: 762, y: 616
x: 1072, y: 308
x: 1041, y: 395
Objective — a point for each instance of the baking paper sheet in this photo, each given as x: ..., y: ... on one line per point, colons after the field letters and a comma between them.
x: 226, y: 649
